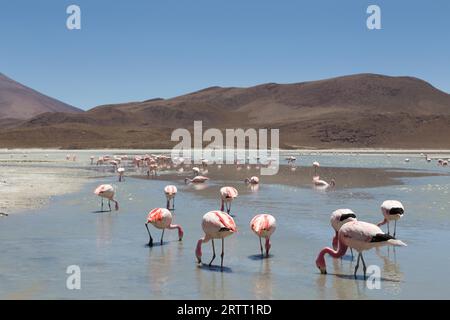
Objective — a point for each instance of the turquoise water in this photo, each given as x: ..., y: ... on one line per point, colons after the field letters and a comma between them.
x: 38, y: 245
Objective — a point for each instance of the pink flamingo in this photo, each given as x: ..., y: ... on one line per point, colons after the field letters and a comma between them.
x: 322, y: 183
x: 196, y: 179
x: 252, y: 180
x: 107, y: 191
x: 338, y: 219
x: 316, y: 165
x: 360, y: 236
x: 391, y: 210
x: 161, y: 218
x: 121, y: 172
x: 263, y: 225
x: 227, y: 194
x: 216, y: 225
x: 170, y: 192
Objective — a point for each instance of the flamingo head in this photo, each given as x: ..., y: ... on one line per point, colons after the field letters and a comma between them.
x: 180, y: 233
x: 333, y: 182
x: 320, y: 263
x: 198, y: 251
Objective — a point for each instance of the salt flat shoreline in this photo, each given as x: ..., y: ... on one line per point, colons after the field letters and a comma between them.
x: 33, y: 187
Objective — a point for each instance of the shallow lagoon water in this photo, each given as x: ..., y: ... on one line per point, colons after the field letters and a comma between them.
x: 38, y: 245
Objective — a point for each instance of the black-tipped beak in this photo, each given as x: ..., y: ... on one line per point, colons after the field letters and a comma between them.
x: 323, y: 270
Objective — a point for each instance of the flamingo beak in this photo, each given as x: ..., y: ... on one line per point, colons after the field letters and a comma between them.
x: 323, y: 270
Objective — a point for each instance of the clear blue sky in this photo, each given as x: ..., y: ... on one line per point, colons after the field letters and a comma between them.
x: 136, y: 50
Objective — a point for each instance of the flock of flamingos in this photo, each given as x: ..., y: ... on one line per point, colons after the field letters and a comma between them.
x: 219, y: 224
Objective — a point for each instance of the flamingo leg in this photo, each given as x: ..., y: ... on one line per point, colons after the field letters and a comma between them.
x: 395, y: 227
x: 357, y: 264
x: 214, y: 252
x: 221, y: 256
x: 102, y: 205
x: 150, y: 242
x: 162, y: 236
x: 109, y: 205
x: 364, y: 265
x: 388, y: 227
x: 351, y: 251
x: 261, y: 247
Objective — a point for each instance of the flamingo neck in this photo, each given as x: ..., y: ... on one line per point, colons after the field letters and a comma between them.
x: 180, y: 230
x: 335, y: 241
x: 198, y: 250
x: 320, y: 261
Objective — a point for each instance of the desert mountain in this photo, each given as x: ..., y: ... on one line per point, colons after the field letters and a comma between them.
x: 364, y: 110
x: 20, y: 102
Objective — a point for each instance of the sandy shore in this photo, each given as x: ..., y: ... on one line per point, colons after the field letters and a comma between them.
x: 27, y: 187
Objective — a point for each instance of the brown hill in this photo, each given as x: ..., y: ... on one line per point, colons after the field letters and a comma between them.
x: 20, y: 102
x: 364, y: 110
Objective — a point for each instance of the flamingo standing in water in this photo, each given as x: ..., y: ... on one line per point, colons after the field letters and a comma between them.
x: 252, y: 180
x: 316, y: 165
x: 360, y: 236
x: 392, y: 210
x: 216, y: 225
x: 196, y: 179
x: 107, y: 191
x: 170, y: 192
x: 338, y: 219
x: 195, y: 171
x: 263, y: 225
x: 227, y: 194
x: 121, y: 171
x: 161, y: 218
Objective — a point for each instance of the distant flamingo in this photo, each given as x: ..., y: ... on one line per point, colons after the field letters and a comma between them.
x: 161, y: 218
x: 107, y: 191
x: 92, y: 159
x: 263, y: 225
x: 121, y: 171
x: 252, y: 180
x: 170, y: 192
x: 391, y: 210
x: 322, y: 183
x: 216, y: 225
x: 338, y: 219
x: 227, y: 195
x: 197, y: 179
x: 316, y: 165
x: 360, y: 236
x: 195, y: 171
x: 291, y: 159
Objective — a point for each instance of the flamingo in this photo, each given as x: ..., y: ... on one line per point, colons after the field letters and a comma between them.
x: 360, y: 236
x: 338, y: 219
x: 216, y: 225
x: 161, y: 218
x: 195, y: 171
x: 322, y: 183
x: 391, y: 210
x: 263, y: 225
x: 170, y: 192
x: 196, y: 179
x: 252, y: 180
x: 107, y: 191
x: 316, y: 165
x: 227, y: 194
x: 121, y: 171
x: 291, y: 159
